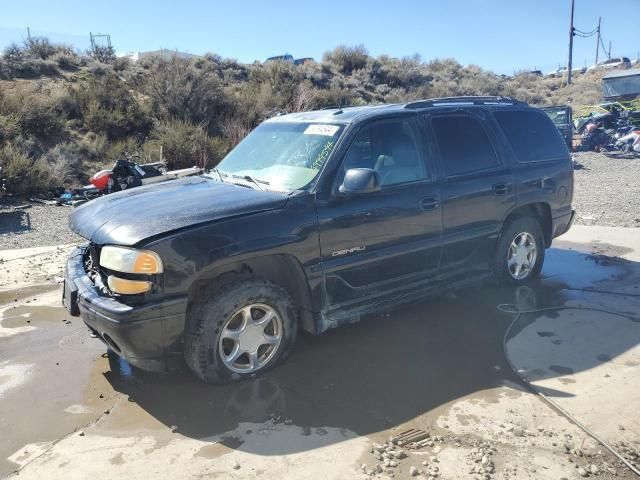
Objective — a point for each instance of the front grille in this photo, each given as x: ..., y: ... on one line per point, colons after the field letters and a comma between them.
x: 94, y: 272
x: 94, y: 253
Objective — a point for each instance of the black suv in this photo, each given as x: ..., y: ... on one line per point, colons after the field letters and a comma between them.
x: 314, y: 220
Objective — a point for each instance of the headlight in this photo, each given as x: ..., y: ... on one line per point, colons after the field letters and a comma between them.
x: 129, y: 260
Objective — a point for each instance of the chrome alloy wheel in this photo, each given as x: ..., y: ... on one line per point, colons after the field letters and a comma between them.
x: 250, y: 338
x: 522, y: 254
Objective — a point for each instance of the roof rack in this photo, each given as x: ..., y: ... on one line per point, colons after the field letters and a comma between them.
x: 487, y: 100
x: 336, y: 107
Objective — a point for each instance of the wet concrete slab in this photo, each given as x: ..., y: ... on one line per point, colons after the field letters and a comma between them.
x: 46, y: 358
x: 438, y: 365
x: 586, y: 354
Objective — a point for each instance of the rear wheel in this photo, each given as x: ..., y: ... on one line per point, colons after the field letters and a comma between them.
x: 520, y: 251
x: 244, y: 329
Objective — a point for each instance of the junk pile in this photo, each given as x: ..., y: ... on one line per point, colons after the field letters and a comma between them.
x: 125, y: 174
x: 612, y: 127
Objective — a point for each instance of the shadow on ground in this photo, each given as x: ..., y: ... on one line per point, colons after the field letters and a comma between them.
x: 14, y: 221
x: 381, y: 372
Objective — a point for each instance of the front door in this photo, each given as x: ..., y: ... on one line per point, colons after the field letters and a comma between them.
x: 382, y: 243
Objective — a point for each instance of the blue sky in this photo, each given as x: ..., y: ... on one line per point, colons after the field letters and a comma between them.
x: 500, y: 35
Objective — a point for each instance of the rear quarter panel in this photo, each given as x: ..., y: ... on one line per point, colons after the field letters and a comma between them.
x: 548, y: 181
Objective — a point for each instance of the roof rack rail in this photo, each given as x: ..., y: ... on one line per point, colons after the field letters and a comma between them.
x: 486, y: 100
x: 336, y: 107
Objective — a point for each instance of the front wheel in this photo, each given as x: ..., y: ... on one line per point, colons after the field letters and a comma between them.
x: 520, y: 252
x: 244, y: 329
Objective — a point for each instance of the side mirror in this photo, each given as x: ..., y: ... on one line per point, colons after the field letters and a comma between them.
x: 360, y: 180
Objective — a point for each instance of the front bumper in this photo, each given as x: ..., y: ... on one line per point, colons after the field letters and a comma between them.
x: 147, y: 336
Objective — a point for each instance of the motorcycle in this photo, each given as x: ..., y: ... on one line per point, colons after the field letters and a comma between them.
x: 127, y: 173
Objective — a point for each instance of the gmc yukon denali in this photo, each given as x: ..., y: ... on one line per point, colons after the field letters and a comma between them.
x: 314, y: 220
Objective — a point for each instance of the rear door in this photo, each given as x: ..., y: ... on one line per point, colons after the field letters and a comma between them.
x: 387, y: 242
x: 477, y: 189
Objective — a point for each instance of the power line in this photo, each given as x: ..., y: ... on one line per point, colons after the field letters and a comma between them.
x: 592, y: 32
x: 604, y: 49
x: 585, y: 36
x: 598, y: 40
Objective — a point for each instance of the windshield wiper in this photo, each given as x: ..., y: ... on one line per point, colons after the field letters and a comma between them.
x: 250, y: 179
x: 219, y: 173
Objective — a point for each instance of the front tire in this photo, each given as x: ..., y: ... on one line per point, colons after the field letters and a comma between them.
x: 520, y: 252
x: 245, y: 328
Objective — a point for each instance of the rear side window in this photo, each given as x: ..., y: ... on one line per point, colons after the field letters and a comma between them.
x: 532, y: 135
x: 464, y: 144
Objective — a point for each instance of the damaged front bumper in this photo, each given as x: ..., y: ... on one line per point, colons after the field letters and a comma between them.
x: 147, y: 336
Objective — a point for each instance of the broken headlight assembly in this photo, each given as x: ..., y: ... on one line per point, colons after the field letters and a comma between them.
x: 132, y: 261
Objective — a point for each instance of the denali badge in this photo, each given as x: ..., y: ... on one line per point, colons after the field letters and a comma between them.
x: 346, y: 251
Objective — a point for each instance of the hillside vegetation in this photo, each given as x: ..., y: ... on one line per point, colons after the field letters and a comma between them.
x: 65, y: 115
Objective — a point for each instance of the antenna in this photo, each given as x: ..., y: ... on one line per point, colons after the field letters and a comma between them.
x: 95, y: 36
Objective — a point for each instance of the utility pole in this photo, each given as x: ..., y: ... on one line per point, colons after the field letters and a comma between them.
x: 570, y: 45
x: 598, y: 41
x: 609, y: 53
x: 28, y: 33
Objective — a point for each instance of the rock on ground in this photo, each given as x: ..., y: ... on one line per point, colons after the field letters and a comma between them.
x: 607, y: 190
x: 36, y: 226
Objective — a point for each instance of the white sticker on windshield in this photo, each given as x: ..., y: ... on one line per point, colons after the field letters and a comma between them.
x: 319, y: 129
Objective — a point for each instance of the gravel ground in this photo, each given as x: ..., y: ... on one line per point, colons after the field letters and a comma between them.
x: 607, y: 192
x: 35, y: 226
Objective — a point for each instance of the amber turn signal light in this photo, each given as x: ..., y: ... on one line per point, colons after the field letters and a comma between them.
x: 127, y: 287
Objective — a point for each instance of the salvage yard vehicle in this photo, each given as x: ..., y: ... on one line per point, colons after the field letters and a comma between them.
x: 314, y: 220
x: 561, y: 117
x: 610, y: 63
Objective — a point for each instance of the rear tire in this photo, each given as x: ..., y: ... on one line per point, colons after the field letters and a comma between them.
x: 520, y: 252
x: 244, y: 329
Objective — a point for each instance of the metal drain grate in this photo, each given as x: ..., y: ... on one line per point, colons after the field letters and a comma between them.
x: 412, y: 438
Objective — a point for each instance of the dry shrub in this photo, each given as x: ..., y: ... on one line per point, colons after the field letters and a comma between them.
x: 185, y: 144
x: 24, y: 174
x: 347, y: 59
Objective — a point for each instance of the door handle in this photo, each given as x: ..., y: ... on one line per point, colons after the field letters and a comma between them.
x: 429, y: 203
x: 500, y: 189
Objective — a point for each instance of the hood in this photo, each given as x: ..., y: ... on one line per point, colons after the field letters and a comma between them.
x: 128, y: 217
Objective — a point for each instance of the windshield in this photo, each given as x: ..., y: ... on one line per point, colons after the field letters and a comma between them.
x: 283, y: 156
x: 558, y: 116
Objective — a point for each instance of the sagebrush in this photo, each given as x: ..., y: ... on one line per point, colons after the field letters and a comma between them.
x: 77, y: 113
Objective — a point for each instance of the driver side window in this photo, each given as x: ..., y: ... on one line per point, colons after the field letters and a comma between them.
x: 391, y: 148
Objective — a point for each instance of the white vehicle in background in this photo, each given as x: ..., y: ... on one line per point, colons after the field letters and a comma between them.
x: 610, y: 63
x: 561, y: 71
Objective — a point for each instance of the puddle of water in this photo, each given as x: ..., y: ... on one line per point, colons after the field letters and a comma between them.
x: 26, y: 315
x: 12, y: 376
x: 19, y: 294
x: 582, y: 271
